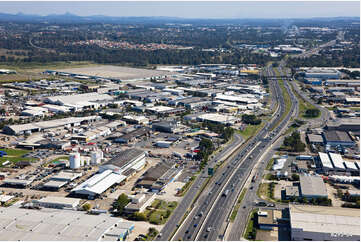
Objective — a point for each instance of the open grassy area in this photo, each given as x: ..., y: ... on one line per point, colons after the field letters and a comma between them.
x: 266, y: 190
x: 32, y: 71
x: 236, y: 208
x: 15, y: 155
x: 160, y: 212
x: 250, y: 130
x: 34, y: 67
x: 303, y: 105
x: 250, y: 232
x: 55, y: 160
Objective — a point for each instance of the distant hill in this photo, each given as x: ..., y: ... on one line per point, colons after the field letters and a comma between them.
x: 68, y: 18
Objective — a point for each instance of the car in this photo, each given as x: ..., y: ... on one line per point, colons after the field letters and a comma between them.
x: 195, y: 225
x: 205, y: 236
x: 209, y: 229
x: 244, y: 207
x: 251, y: 188
x: 187, y: 231
x: 271, y: 205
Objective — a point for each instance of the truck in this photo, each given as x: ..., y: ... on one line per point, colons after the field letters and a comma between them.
x: 225, y: 193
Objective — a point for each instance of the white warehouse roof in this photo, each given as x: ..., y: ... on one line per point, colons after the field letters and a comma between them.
x: 325, y: 160
x: 324, y: 223
x: 337, y: 161
x: 98, y: 183
x: 78, y: 98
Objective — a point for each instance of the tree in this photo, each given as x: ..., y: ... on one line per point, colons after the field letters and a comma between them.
x: 294, y: 142
x: 139, y: 216
x: 87, y: 206
x: 312, y: 112
x: 251, y: 119
x: 120, y: 203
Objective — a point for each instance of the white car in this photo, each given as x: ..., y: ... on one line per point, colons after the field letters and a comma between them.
x: 209, y: 229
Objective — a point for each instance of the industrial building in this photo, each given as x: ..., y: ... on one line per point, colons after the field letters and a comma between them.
x: 113, y: 172
x: 168, y: 127
x: 135, y: 134
x: 315, y: 139
x: 57, y: 202
x: 345, y: 124
x: 322, y: 73
x: 312, y: 187
x: 139, y: 203
x: 47, y: 224
x: 336, y: 138
x: 324, y: 223
x: 44, y: 125
x: 128, y: 159
x: 97, y: 184
x: 218, y: 119
x: 79, y: 101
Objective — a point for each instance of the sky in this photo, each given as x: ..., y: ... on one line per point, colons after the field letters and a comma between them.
x: 188, y: 9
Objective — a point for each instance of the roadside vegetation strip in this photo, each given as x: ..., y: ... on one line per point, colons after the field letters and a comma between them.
x: 287, y: 100
x: 250, y: 231
x: 270, y: 164
x: 304, y: 105
x: 236, y: 208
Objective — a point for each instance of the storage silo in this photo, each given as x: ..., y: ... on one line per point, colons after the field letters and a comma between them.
x: 95, y: 159
x: 74, y: 159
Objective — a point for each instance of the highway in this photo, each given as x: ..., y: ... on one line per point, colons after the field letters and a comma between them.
x: 215, y: 226
x: 236, y: 229
x: 208, y: 219
x: 185, y: 204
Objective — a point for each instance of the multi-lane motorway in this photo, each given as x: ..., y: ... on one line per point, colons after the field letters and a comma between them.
x: 208, y: 216
x: 208, y: 219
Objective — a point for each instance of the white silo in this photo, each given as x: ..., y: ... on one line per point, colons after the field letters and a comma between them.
x: 74, y: 159
x: 95, y: 159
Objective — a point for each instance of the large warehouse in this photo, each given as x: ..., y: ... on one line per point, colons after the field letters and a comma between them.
x: 60, y: 225
x: 324, y: 223
x: 113, y: 172
x: 44, y: 125
x: 312, y: 187
x: 79, y: 101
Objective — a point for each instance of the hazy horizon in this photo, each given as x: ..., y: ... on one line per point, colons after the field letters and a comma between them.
x: 239, y: 10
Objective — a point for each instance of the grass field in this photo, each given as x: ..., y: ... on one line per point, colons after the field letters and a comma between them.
x: 303, y: 105
x: 250, y: 130
x: 236, y: 208
x: 15, y: 155
x: 32, y: 71
x: 161, y: 211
